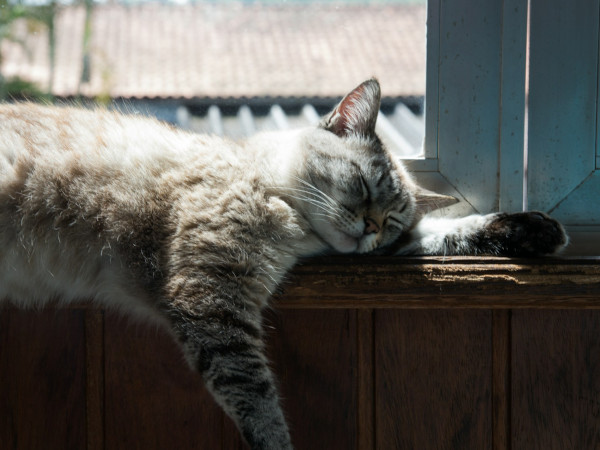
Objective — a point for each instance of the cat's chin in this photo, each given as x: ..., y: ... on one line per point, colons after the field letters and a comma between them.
x: 335, y: 238
x: 343, y: 243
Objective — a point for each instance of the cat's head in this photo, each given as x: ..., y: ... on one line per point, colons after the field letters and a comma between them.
x: 355, y: 194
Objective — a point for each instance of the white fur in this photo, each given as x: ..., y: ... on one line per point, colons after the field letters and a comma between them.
x: 431, y: 235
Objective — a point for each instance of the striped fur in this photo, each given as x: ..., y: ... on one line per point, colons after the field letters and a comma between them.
x: 193, y: 231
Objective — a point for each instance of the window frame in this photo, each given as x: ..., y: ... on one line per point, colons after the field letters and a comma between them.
x: 489, y: 106
x: 475, y: 75
x: 564, y: 111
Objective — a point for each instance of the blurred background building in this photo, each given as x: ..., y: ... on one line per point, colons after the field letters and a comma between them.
x: 226, y: 67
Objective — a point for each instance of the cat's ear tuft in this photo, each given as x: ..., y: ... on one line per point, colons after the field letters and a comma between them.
x: 357, y: 112
x: 428, y: 201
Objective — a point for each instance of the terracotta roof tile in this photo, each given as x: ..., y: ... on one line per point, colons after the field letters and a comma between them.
x: 234, y: 50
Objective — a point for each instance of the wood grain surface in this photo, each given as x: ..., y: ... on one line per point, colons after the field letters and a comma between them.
x: 152, y: 399
x: 42, y: 380
x: 433, y: 379
x: 370, y: 353
x: 556, y: 380
x: 315, y: 358
x: 436, y: 282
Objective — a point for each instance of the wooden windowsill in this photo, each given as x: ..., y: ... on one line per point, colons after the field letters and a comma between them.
x: 359, y: 282
x: 438, y: 282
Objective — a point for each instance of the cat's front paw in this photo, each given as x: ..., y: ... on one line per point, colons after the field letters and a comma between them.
x: 527, y: 233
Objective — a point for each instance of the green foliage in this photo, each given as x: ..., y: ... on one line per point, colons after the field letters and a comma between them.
x: 8, y: 14
x: 36, y: 17
x: 17, y: 88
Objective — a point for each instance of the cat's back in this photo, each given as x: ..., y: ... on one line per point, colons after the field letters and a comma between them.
x: 67, y: 136
x: 80, y: 188
x: 43, y: 146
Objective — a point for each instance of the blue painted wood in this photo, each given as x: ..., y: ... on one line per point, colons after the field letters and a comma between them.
x: 563, y: 124
x: 475, y: 105
x: 475, y: 98
x: 582, y: 205
x: 476, y: 54
x: 469, y: 98
x: 598, y: 110
x: 432, y: 80
x: 514, y: 54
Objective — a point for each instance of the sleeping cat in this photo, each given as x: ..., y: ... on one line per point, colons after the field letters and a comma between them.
x: 197, y: 232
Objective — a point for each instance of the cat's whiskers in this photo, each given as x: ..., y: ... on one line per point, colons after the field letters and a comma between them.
x: 323, y: 206
x: 318, y: 191
x: 313, y: 190
x: 346, y: 222
x: 321, y: 203
x: 322, y: 214
x: 313, y: 194
x: 316, y: 195
x: 265, y: 272
x: 316, y: 198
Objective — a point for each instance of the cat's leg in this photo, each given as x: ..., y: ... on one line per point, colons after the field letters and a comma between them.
x: 224, y: 343
x: 518, y: 234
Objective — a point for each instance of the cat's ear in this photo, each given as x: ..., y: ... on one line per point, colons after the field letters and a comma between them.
x: 357, y: 112
x: 428, y: 201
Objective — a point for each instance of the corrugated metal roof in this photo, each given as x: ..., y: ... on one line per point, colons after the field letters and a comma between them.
x: 401, y: 129
x: 234, y: 50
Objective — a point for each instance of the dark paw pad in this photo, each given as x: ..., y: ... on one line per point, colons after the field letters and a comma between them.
x: 528, y: 233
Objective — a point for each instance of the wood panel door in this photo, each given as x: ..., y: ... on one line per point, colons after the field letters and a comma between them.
x: 42, y: 380
x: 433, y: 379
x: 152, y: 400
x: 556, y: 380
x: 350, y: 379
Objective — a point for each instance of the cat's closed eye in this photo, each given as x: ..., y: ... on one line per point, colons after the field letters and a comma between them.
x: 396, y: 220
x: 366, y: 193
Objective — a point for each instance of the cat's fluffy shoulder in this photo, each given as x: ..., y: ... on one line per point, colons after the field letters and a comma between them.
x: 98, y: 188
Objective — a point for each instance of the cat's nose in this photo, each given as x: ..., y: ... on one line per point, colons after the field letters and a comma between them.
x: 371, y: 226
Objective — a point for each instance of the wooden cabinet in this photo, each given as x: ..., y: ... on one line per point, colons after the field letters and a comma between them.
x: 412, y: 354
